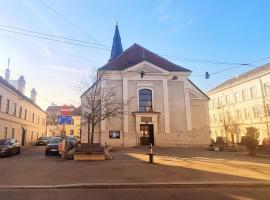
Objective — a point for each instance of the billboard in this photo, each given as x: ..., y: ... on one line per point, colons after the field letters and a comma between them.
x: 64, y: 119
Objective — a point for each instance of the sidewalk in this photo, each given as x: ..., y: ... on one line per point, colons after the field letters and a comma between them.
x: 173, y: 166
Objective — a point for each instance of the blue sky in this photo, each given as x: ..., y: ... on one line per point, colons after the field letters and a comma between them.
x: 228, y: 30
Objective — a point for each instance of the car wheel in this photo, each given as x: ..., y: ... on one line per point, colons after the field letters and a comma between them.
x: 18, y: 151
x: 47, y: 153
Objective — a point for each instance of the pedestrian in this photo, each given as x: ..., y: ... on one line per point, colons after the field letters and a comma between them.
x: 62, y: 148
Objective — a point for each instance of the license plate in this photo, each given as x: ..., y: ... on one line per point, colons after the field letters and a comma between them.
x: 54, y: 150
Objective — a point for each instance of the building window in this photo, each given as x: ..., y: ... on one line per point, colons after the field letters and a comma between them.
x: 15, y: 109
x: 267, y: 110
x: 0, y: 102
x: 33, y: 118
x: 256, y: 112
x: 32, y: 135
x: 253, y: 92
x: 245, y: 94
x: 220, y: 101
x: 71, y: 132
x: 145, y: 100
x: 7, y: 108
x: 114, y: 134
x: 20, y: 112
x: 238, y: 114
x: 25, y: 114
x: 237, y: 97
x: 5, y: 132
x: 228, y: 100
x: 13, y: 133
x: 267, y: 88
x: 247, y: 114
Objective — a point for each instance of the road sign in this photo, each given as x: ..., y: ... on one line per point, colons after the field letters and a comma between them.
x: 64, y: 119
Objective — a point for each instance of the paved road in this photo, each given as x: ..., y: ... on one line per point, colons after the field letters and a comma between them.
x: 34, y: 168
x: 140, y: 194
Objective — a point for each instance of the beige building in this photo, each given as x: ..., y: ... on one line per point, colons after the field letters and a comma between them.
x: 241, y: 102
x: 20, y: 116
x: 165, y: 109
x: 71, y: 124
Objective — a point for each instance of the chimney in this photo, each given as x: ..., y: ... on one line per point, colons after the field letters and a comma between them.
x: 7, y: 74
x: 21, y: 84
x: 34, y: 95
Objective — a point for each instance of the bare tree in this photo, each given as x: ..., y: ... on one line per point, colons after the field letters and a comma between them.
x: 100, y: 103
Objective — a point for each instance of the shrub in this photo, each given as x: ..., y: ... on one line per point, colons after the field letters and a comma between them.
x: 251, y: 140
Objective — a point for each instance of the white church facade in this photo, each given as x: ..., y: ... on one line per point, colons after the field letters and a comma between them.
x: 165, y: 108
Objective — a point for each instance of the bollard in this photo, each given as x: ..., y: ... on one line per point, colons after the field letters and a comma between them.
x: 151, y: 155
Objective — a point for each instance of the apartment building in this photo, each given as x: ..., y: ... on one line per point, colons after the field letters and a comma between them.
x: 20, y: 116
x: 239, y: 103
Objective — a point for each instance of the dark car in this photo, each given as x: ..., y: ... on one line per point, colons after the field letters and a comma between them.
x: 52, y: 146
x: 42, y: 141
x: 9, y: 147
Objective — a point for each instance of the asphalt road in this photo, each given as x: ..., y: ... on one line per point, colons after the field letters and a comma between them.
x: 140, y: 194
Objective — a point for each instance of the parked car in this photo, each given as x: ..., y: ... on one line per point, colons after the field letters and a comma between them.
x: 265, y: 146
x: 42, y: 141
x: 71, y: 142
x: 52, y: 146
x: 9, y: 147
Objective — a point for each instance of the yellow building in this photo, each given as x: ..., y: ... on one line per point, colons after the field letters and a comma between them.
x: 20, y: 117
x: 75, y: 127
x: 56, y: 127
x: 241, y: 102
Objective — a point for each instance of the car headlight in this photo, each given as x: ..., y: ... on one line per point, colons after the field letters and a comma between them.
x: 4, y: 149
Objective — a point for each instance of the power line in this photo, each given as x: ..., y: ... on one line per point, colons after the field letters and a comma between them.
x: 51, y: 49
x: 179, y: 58
x: 185, y: 59
x: 50, y: 35
x: 67, y: 20
x: 55, y: 40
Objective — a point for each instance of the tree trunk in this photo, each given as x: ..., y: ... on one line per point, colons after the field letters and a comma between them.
x: 88, y: 131
x: 92, y: 133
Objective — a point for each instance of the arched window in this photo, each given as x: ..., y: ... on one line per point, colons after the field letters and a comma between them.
x: 145, y: 100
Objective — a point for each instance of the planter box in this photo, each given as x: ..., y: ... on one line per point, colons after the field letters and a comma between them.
x: 89, y: 157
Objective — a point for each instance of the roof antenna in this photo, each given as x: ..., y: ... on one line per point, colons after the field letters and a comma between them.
x: 8, y: 62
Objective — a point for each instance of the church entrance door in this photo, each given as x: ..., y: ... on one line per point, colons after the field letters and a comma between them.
x: 147, y: 134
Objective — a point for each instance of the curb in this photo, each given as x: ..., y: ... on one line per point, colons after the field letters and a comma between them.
x: 142, y: 185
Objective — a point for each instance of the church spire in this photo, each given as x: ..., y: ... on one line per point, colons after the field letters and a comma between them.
x: 117, y: 48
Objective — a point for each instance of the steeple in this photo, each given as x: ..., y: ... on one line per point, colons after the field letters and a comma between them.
x: 117, y: 48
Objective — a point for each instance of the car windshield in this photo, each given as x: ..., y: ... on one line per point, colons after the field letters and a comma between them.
x: 55, y: 140
x: 4, y: 142
x: 71, y: 139
x: 42, y: 138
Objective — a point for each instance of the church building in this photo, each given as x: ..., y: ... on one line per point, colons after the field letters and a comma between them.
x: 165, y: 108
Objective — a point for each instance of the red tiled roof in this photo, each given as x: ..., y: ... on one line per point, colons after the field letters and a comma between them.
x: 77, y: 111
x: 136, y: 54
x: 58, y: 108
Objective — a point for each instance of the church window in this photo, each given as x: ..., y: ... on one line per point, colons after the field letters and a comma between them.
x: 145, y: 100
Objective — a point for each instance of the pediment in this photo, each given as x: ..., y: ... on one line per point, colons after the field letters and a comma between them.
x: 195, y: 94
x: 146, y: 67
